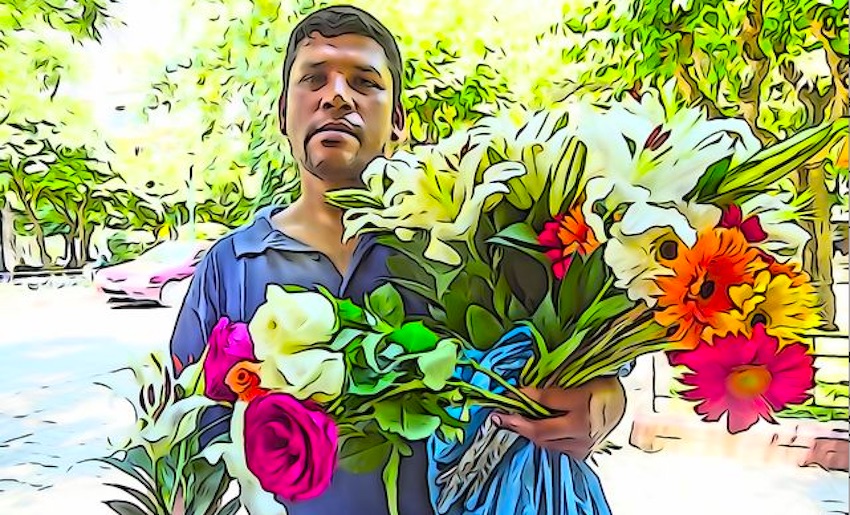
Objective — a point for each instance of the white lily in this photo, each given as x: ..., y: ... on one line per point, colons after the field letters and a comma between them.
x: 633, y: 251
x: 317, y: 374
x: 651, y: 150
x: 430, y: 192
x: 289, y: 322
x: 251, y: 494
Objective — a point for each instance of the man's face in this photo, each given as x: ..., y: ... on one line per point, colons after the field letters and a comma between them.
x: 338, y: 113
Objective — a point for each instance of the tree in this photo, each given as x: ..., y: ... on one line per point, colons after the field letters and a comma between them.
x: 36, y: 45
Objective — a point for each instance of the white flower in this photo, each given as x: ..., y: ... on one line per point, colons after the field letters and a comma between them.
x: 651, y: 150
x: 633, y: 251
x: 289, y: 322
x: 428, y: 191
x: 313, y: 373
x: 253, y: 497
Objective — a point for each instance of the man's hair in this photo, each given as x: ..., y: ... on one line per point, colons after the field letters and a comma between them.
x: 337, y: 21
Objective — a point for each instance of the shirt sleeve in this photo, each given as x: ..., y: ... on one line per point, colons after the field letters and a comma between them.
x: 197, y: 315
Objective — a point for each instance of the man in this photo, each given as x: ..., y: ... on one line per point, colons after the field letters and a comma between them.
x: 341, y: 108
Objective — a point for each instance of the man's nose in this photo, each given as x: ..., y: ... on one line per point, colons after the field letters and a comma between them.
x: 338, y: 94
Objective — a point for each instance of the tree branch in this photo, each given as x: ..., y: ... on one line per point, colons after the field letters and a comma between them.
x: 750, y: 94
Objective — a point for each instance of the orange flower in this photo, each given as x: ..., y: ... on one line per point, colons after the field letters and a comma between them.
x: 566, y: 235
x: 244, y: 379
x: 697, y: 291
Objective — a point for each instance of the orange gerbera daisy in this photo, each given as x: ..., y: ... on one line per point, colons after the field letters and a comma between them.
x: 564, y: 236
x: 697, y: 291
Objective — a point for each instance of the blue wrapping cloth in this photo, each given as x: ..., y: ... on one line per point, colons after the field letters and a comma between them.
x: 528, y: 480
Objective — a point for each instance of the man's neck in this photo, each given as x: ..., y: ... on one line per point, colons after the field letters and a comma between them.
x: 311, y: 207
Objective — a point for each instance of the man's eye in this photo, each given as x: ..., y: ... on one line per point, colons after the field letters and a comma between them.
x: 311, y: 79
x: 366, y: 83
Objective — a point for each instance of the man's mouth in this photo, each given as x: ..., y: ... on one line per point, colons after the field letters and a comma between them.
x: 337, y: 129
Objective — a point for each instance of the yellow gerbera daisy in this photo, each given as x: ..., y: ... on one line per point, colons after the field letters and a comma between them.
x: 785, y: 305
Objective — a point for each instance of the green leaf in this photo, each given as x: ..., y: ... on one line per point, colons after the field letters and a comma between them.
x: 369, y: 347
x: 547, y: 321
x: 142, y: 497
x: 344, y: 338
x: 365, y: 382
x: 231, y: 508
x: 406, y: 418
x: 775, y: 162
x: 362, y: 453
x: 125, y: 508
x: 131, y: 465
x: 605, y: 310
x: 386, y: 303
x: 519, y: 233
x: 414, y: 337
x: 350, y: 312
x: 483, y: 327
x: 438, y: 366
x: 711, y: 179
x: 390, y: 478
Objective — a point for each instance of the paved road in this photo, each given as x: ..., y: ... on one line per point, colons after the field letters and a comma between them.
x: 60, y: 399
x: 61, y: 392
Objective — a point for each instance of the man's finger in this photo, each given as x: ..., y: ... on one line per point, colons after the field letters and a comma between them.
x: 566, y: 427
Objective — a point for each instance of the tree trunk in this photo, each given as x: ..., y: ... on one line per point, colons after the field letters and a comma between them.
x: 818, y: 253
x: 687, y: 83
x: 7, y: 237
x: 43, y: 258
x: 70, y: 250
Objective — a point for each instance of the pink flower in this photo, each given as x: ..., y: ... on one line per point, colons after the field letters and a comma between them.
x: 733, y: 218
x: 290, y: 446
x: 564, y: 236
x: 746, y: 378
x: 229, y: 344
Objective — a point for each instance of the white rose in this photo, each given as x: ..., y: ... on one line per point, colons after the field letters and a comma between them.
x: 290, y: 322
x: 314, y: 373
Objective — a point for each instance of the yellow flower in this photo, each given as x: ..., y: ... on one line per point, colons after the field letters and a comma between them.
x: 785, y: 306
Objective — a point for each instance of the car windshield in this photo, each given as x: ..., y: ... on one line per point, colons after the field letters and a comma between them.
x: 170, y: 252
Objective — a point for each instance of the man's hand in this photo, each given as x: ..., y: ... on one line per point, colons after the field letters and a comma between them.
x: 590, y: 413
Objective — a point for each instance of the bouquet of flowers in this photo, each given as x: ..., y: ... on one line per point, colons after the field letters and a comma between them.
x: 559, y: 248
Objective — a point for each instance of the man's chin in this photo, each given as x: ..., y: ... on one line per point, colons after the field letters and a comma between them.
x: 338, y: 169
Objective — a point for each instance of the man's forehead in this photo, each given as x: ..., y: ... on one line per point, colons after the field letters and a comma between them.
x: 354, y: 49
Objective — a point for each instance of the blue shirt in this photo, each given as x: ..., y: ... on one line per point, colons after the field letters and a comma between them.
x: 231, y: 281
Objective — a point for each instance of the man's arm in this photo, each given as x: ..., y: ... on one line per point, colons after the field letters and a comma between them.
x: 197, y: 316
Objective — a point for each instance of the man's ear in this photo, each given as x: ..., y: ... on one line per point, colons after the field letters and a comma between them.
x: 398, y: 123
x: 281, y: 113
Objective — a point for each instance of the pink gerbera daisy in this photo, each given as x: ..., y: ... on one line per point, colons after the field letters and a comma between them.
x: 748, y: 378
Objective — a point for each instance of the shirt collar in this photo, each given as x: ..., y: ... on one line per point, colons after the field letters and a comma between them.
x: 261, y: 235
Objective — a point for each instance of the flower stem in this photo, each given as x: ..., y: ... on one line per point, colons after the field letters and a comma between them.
x: 533, y: 406
x: 500, y: 401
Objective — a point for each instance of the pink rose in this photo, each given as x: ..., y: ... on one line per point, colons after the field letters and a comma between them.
x: 290, y: 446
x: 229, y: 344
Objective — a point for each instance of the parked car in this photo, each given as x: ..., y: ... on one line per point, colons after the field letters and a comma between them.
x: 160, y: 275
